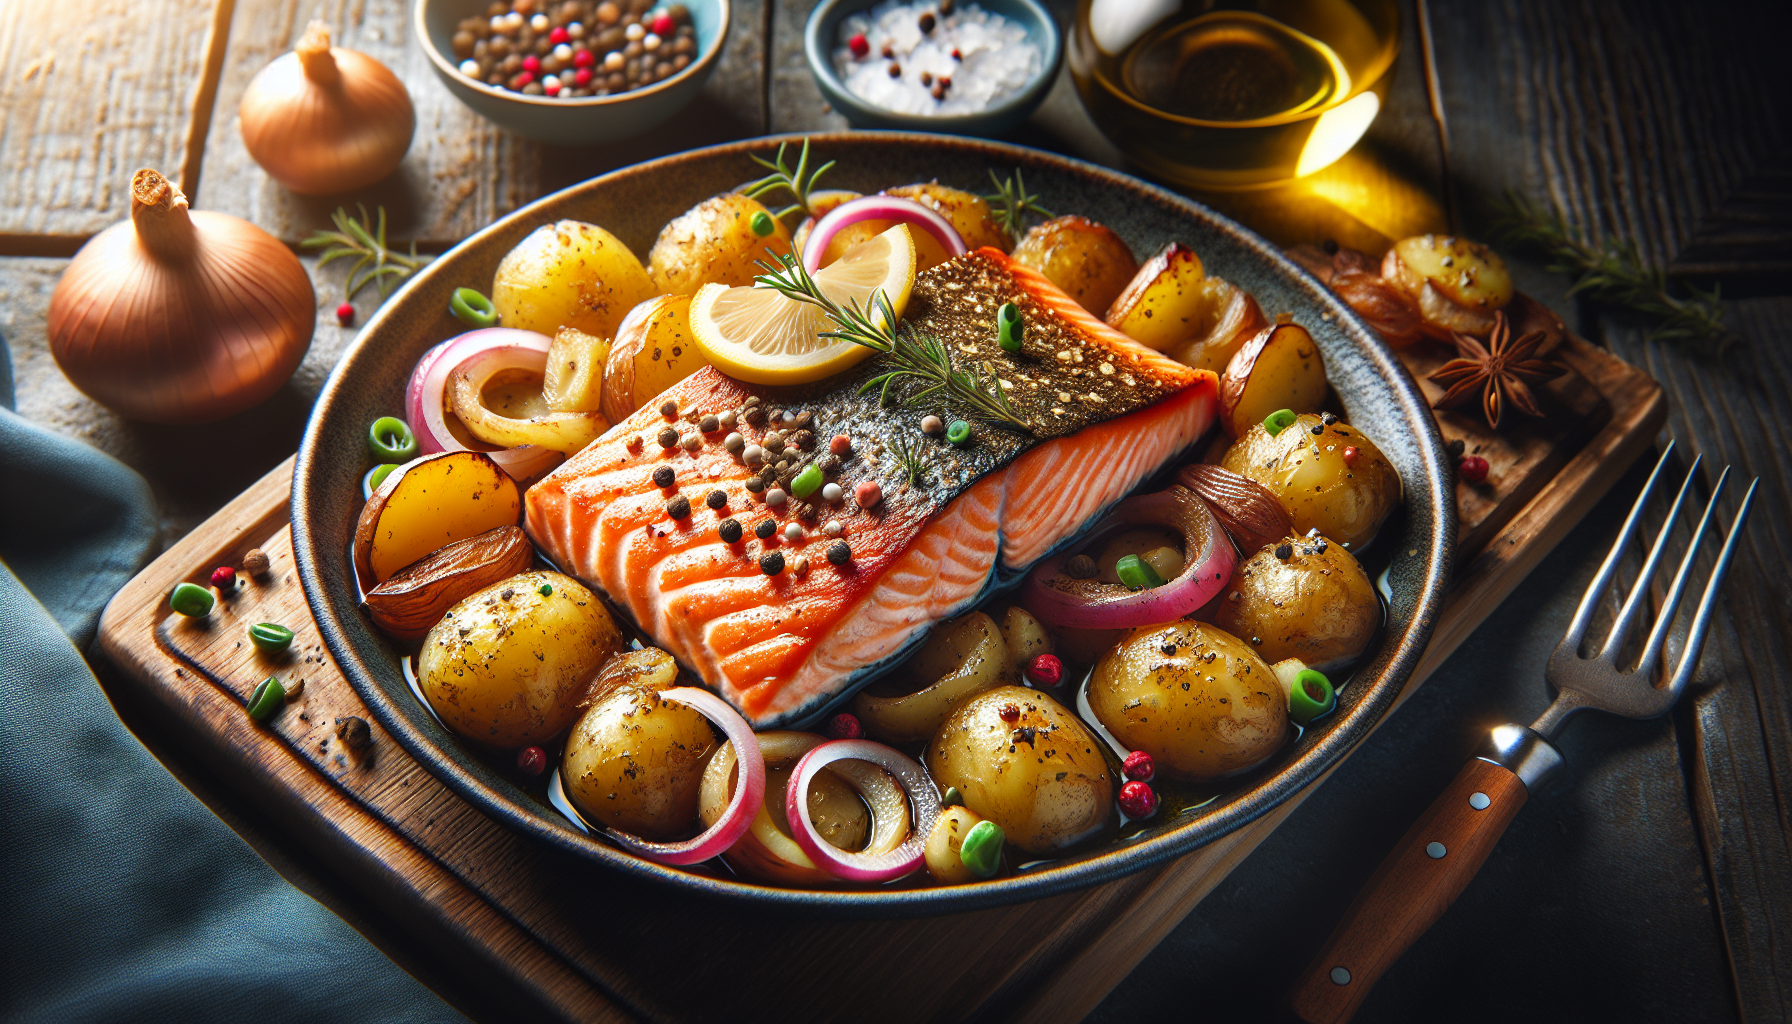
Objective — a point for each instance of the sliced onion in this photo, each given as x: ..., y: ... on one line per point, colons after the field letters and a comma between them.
x: 562, y: 431
x: 1208, y: 559
x: 747, y: 796
x: 892, y: 208
x: 864, y: 866
x: 426, y: 399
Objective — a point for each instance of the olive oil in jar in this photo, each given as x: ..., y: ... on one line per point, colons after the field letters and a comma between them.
x: 1232, y: 66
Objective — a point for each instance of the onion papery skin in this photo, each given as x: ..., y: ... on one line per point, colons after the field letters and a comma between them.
x: 425, y: 399
x: 1208, y: 557
x: 1250, y: 512
x: 880, y: 207
x: 323, y: 120
x: 748, y: 796
x: 180, y: 317
x: 906, y: 857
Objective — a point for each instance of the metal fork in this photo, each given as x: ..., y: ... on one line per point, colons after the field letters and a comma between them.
x: 1438, y: 856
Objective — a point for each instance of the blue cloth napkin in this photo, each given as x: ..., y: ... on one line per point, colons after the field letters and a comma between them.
x: 122, y: 896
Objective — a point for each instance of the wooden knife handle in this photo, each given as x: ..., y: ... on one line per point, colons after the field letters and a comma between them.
x: 1413, y: 887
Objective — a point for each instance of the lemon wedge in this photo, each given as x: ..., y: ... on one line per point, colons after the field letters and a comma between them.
x: 761, y: 336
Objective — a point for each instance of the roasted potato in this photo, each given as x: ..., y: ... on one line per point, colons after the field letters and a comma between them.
x: 653, y: 351
x: 1196, y: 698
x: 968, y: 212
x: 427, y: 504
x: 569, y: 274
x: 1335, y: 481
x: 1089, y: 262
x: 1025, y: 638
x: 941, y: 852
x: 634, y: 762
x: 1025, y: 762
x: 509, y: 665
x: 1316, y: 605
x: 574, y: 381
x: 714, y: 243
x: 1280, y: 368
x: 1164, y: 305
x: 960, y: 659
x: 1458, y: 284
x: 414, y: 598
x: 767, y: 852
x: 1230, y: 317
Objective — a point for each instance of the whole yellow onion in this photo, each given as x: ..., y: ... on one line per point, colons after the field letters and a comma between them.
x: 322, y: 120
x: 177, y: 316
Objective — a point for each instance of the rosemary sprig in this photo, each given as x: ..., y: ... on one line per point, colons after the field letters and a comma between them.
x: 1011, y: 202
x: 365, y: 243
x: 799, y: 182
x: 911, y: 461
x: 918, y: 356
x: 1613, y: 273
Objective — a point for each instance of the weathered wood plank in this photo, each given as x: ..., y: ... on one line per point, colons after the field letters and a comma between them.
x: 88, y: 94
x: 462, y: 171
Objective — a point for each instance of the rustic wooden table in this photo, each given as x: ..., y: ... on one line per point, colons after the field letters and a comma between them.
x: 1655, y: 880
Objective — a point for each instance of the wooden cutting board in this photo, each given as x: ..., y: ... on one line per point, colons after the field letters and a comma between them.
x: 551, y: 935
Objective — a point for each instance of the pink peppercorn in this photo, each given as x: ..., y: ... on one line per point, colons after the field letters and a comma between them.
x: 559, y: 35
x: 1350, y: 454
x: 583, y: 58
x: 859, y: 45
x: 551, y: 90
x: 531, y: 63
x: 956, y: 55
x: 224, y: 577
x: 581, y: 77
x: 841, y: 445
x: 1473, y: 468
x: 345, y: 314
x: 1046, y: 670
x: 1139, y: 766
x: 532, y: 760
x: 663, y: 25
x: 868, y: 494
x: 522, y: 78
x: 1138, y: 801
x: 844, y: 726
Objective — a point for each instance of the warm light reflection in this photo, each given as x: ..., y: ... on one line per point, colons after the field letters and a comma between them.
x: 1338, y: 129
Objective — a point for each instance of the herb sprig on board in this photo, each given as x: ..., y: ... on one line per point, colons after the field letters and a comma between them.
x: 365, y: 242
x: 1010, y: 203
x: 798, y: 181
x: 1613, y: 273
x: 919, y: 357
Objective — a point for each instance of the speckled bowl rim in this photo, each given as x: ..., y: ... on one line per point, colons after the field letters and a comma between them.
x: 815, y: 51
x: 420, y: 24
x: 1371, y: 697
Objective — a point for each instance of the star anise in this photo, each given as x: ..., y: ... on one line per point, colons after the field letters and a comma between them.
x: 1502, y: 371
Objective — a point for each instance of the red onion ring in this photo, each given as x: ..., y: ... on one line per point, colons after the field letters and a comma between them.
x: 861, y: 867
x: 426, y: 406
x: 1090, y: 604
x: 748, y: 795
x: 903, y: 211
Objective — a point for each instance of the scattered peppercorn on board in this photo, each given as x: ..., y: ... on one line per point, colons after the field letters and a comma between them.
x: 518, y: 918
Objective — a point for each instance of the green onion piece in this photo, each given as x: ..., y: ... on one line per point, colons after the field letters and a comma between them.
x: 1278, y: 421
x: 952, y: 798
x: 959, y: 433
x: 1312, y: 697
x: 191, y: 600
x: 267, y: 700
x: 390, y: 439
x: 1008, y: 327
x: 547, y: 590
x: 807, y: 482
x: 761, y: 223
x: 270, y: 637
x: 1137, y: 573
x: 981, y: 850
x: 375, y: 477
x: 473, y: 308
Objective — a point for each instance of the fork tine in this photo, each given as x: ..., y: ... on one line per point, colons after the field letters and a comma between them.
x: 1639, y: 592
x: 1701, y: 620
x: 1589, y: 602
x: 1664, y: 619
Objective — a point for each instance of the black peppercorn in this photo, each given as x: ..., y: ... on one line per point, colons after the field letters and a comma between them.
x: 1328, y: 418
x: 729, y: 530
x: 764, y: 529
x: 1081, y: 567
x: 839, y: 553
x: 755, y: 484
x: 1285, y: 551
x: 353, y: 733
x: 669, y: 408
x: 716, y: 499
x: 679, y: 507
x: 709, y: 424
x: 927, y: 22
x: 804, y: 439
x: 1318, y: 428
x: 756, y: 415
x: 1455, y: 448
x: 664, y: 476
x: 772, y: 564
x: 668, y: 437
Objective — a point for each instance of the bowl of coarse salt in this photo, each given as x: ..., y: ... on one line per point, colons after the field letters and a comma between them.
x: 965, y: 67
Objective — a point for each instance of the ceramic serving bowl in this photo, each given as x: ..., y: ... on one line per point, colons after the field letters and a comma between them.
x: 584, y: 121
x: 1415, y: 546
x: 820, y: 37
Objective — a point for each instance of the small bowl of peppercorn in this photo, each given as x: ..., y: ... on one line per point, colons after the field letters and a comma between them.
x: 964, y: 67
x: 573, y: 72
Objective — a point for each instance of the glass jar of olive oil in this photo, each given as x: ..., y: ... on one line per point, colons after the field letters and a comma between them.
x: 1239, y: 95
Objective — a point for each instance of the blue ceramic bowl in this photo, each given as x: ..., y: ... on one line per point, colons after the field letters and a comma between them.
x: 819, y: 40
x: 575, y: 122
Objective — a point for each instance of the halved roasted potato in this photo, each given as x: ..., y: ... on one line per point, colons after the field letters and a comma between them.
x: 1458, y: 284
x: 429, y: 503
x: 1085, y: 259
x: 653, y: 351
x: 1164, y: 305
x: 574, y: 381
x: 1279, y: 368
x: 1230, y: 317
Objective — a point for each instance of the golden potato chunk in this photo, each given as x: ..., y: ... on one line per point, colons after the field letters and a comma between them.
x: 1164, y: 305
x: 1088, y: 261
x: 714, y: 243
x: 569, y: 274
x: 1317, y: 604
x: 1230, y: 317
x: 652, y: 352
x: 1280, y: 368
x: 1336, y: 481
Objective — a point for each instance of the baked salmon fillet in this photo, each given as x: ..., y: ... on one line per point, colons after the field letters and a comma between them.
x: 1104, y: 414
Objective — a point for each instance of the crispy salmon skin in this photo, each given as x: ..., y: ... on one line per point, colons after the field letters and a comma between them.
x: 1104, y: 413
